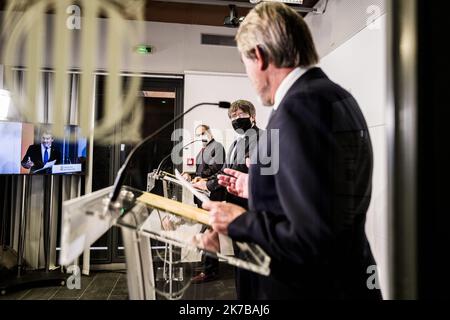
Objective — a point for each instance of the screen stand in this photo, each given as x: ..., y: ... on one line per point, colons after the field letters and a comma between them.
x: 28, y: 279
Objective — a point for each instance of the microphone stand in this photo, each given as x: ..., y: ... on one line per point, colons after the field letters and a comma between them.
x: 123, y: 170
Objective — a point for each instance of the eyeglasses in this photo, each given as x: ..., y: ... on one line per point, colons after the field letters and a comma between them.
x: 239, y: 115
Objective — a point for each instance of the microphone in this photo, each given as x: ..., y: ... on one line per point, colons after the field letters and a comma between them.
x: 122, y: 171
x: 168, y: 156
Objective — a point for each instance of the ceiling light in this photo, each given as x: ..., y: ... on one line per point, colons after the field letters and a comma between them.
x: 233, y: 20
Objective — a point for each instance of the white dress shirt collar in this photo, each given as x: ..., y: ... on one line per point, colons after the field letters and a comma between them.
x: 286, y: 84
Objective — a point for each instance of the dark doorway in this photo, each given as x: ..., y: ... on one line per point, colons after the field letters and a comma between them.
x: 161, y: 100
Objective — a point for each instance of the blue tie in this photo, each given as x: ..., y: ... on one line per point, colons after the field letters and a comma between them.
x: 46, y: 156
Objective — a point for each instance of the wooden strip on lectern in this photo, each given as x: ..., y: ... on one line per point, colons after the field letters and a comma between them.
x: 175, y: 207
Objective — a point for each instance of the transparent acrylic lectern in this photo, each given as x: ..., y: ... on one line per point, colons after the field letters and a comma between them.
x: 162, y: 238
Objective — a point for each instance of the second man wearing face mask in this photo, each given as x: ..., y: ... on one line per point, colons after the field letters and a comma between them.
x: 242, y: 114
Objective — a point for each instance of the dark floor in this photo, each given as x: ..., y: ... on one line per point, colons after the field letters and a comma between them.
x: 113, y: 286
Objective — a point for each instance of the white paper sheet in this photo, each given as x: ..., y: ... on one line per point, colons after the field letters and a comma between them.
x: 188, y: 185
x: 226, y: 245
x: 47, y: 165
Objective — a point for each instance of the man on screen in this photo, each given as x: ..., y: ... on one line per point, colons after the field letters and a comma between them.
x: 39, y: 154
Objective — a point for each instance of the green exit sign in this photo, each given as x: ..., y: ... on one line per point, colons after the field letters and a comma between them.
x: 144, y: 49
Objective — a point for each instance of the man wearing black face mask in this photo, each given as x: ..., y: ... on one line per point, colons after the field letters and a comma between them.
x: 242, y: 114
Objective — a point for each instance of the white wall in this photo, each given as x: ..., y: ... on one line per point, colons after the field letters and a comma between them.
x: 177, y: 48
x: 341, y: 21
x: 359, y: 65
x: 214, y: 87
x: 11, y: 144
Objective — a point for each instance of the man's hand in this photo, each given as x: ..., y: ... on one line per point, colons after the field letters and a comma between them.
x: 29, y: 163
x: 201, y: 185
x: 222, y: 214
x: 209, y: 240
x: 167, y: 224
x: 197, y: 179
x: 187, y: 176
x: 236, y: 182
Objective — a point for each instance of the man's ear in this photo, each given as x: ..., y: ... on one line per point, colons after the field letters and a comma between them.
x: 261, y: 56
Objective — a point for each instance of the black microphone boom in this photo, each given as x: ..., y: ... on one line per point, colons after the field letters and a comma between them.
x: 224, y: 104
x: 122, y: 171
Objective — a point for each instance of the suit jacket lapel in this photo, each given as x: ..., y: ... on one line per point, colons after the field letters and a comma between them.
x: 229, y: 154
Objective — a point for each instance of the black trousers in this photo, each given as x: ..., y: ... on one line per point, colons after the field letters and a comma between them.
x: 211, y: 265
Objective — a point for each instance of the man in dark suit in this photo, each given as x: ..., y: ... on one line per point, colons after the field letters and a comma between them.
x: 242, y: 114
x: 307, y: 207
x: 39, y: 154
x: 208, y: 162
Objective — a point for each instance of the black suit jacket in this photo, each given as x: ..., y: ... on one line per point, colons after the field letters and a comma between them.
x: 246, y: 149
x: 310, y: 215
x: 209, y: 161
x: 35, y: 154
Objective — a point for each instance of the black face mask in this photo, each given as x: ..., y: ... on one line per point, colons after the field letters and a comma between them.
x: 242, y: 123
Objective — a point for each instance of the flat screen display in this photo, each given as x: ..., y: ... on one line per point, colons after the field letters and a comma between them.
x: 27, y: 148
